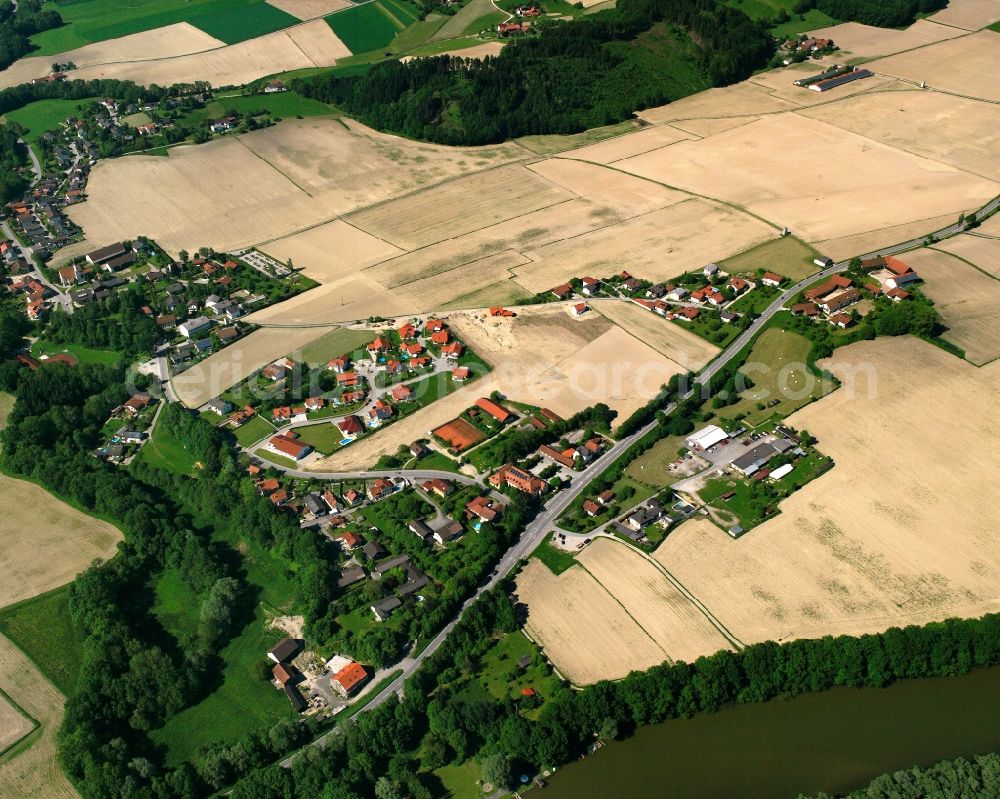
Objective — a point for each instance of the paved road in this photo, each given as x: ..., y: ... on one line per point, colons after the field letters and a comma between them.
x: 58, y: 297
x: 543, y: 523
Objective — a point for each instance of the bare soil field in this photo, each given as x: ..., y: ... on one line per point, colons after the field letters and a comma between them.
x: 641, y: 141
x: 331, y: 251
x: 208, y: 379
x: 967, y: 300
x: 584, y: 631
x: 766, y: 161
x: 865, y: 41
x: 962, y: 133
x: 34, y: 771
x: 980, y: 250
x: 39, y: 554
x: 843, y: 247
x: 860, y: 549
x: 666, y: 615
x: 969, y: 14
x: 657, y: 245
x: 963, y: 66
x: 460, y: 206
x: 169, y: 41
x: 234, y: 64
x: 687, y: 350
x: 309, y: 9
x: 14, y: 725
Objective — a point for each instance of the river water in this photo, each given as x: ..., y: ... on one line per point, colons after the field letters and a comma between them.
x: 832, y: 741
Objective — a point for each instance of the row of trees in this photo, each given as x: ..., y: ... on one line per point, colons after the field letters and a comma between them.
x: 570, y: 77
x: 13, y: 158
x: 124, y: 91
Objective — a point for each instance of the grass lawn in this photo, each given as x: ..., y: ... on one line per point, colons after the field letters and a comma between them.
x: 777, y: 366
x: 43, y: 115
x: 134, y: 120
x: 6, y: 405
x: 97, y: 20
x: 787, y: 256
x: 174, y: 603
x: 460, y: 780
x: 755, y: 301
x: 282, y: 104
x: 334, y: 344
x: 267, y: 455
x: 81, y: 353
x: 651, y: 466
x: 436, y: 461
x: 738, y: 506
x: 628, y: 492
x: 417, y: 34
x: 485, y: 22
x: 42, y: 628
x: 324, y: 438
x: 558, y: 560
x: 501, y: 676
x: 253, y: 431
x: 166, y: 451
x: 368, y: 27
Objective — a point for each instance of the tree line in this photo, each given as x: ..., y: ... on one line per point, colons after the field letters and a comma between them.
x: 18, y: 22
x: 569, y: 77
x: 978, y: 778
x: 125, y: 91
x: 880, y: 13
x: 13, y: 158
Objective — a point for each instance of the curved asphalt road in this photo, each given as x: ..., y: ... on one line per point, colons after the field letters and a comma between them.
x: 536, y: 531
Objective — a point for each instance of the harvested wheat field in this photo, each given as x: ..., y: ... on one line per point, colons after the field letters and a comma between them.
x: 656, y: 245
x: 740, y: 99
x: 900, y: 531
x: 843, y: 247
x: 684, y: 348
x: 626, y: 195
x: 584, y: 630
x: 963, y: 66
x: 641, y: 141
x: 225, y: 368
x: 309, y: 9
x: 344, y: 165
x: 703, y: 128
x: 169, y: 41
x: 234, y: 64
x: 962, y: 133
x: 967, y: 300
x: 981, y: 251
x: 865, y: 41
x: 39, y: 553
x: 460, y: 206
x: 477, y: 51
x: 969, y: 14
x: 34, y: 771
x: 14, y: 725
x: 663, y: 612
x: 846, y: 193
x: 331, y: 251
x: 217, y: 194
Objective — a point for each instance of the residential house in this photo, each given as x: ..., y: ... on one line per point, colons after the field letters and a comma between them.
x: 497, y: 411
x: 351, y: 427
x: 510, y: 475
x: 220, y: 406
x: 339, y: 365
x: 420, y: 529
x: 453, y: 351
x: 448, y: 532
x: 273, y: 372
x: 193, y: 326
x: 381, y: 488
x: 288, y: 447
x: 378, y: 347
x: 383, y: 609
x: 381, y: 411
x: 563, y: 292
x: 441, y: 488
x: 485, y: 509
x: 105, y: 254
x: 590, y: 507
x: 349, y: 679
x: 580, y: 309
x: 772, y: 279
x: 460, y: 374
x: 590, y: 285
x: 136, y: 404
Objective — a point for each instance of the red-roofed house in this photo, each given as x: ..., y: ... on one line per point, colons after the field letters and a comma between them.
x: 590, y: 507
x: 282, y: 445
x: 497, y: 411
x: 378, y: 346
x: 460, y: 373
x: 772, y: 279
x: 841, y: 320
x: 563, y: 291
x: 580, y: 309
x: 413, y: 348
x: 402, y: 394
x: 435, y: 326
x: 437, y: 486
x: 341, y: 364
x: 590, y: 285
x: 347, y: 681
x: 350, y: 426
x: 440, y: 337
x: 453, y: 351
x: 407, y: 331
x: 380, y: 488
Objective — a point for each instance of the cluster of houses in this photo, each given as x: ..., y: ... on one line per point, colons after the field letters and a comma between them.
x: 833, y: 298
x: 36, y: 295
x: 634, y: 525
x: 808, y: 46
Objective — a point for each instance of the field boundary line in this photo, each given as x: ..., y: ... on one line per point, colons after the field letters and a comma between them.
x: 736, y: 642
x: 295, y: 44
x: 965, y: 261
x: 607, y: 590
x: 255, y: 154
x: 35, y: 723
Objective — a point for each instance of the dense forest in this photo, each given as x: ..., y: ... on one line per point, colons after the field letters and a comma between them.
x: 12, y: 159
x: 881, y: 13
x: 978, y: 778
x: 18, y: 22
x: 570, y: 77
